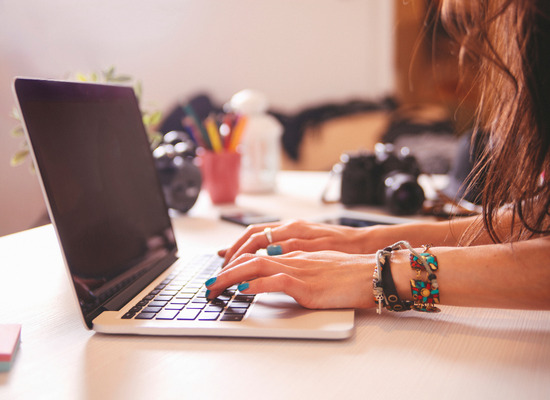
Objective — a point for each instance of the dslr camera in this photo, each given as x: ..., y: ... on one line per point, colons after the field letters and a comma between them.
x: 180, y: 178
x: 383, y: 178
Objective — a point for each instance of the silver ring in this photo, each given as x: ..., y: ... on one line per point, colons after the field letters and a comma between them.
x: 268, y: 235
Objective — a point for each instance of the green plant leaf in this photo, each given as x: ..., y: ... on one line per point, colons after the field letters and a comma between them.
x: 17, y: 131
x: 138, y: 90
x: 81, y: 77
x: 155, y: 117
x: 19, y: 157
x: 15, y: 114
x: 109, y: 74
x: 121, y: 78
x: 155, y: 138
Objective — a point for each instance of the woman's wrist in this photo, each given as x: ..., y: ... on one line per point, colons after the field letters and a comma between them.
x: 424, y: 284
x: 372, y: 238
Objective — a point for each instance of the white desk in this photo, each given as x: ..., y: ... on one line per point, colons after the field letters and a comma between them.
x: 461, y: 353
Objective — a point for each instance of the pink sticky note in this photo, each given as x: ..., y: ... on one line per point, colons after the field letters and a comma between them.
x: 10, y: 337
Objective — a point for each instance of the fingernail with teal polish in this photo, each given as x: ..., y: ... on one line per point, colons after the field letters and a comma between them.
x: 210, y: 281
x: 207, y: 294
x: 243, y: 286
x: 274, y: 250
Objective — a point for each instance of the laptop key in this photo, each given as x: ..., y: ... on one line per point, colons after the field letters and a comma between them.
x: 213, y: 308
x: 179, y: 301
x: 170, y: 293
x: 152, y: 309
x: 174, y: 306
x: 184, y: 296
x: 231, y: 310
x: 232, y: 317
x: 218, y: 302
x: 188, y: 314
x: 244, y: 297
x: 239, y: 304
x: 163, y: 298
x: 156, y: 303
x: 196, y: 306
x: 167, y: 314
x: 145, y: 315
x: 209, y: 316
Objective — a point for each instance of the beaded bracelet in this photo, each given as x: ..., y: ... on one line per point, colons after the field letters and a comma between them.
x: 425, y: 294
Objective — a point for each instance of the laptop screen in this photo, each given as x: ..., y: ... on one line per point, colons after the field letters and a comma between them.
x: 98, y: 173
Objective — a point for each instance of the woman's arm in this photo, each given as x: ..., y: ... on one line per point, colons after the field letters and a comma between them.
x: 309, y: 236
x: 498, y: 275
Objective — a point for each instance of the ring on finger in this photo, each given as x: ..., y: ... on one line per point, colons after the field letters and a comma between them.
x: 268, y: 235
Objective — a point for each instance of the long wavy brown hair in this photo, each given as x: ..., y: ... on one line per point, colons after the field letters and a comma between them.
x: 508, y: 41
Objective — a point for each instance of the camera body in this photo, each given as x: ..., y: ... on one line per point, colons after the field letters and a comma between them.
x: 385, y: 177
x: 180, y: 178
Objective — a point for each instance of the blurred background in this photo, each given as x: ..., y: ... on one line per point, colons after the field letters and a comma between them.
x: 302, y: 54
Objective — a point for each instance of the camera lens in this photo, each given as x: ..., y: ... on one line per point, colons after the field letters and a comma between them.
x: 403, y: 194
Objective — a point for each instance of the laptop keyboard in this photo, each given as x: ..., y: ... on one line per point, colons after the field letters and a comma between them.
x: 182, y: 296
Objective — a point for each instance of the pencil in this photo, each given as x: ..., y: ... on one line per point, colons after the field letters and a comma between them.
x: 198, y: 124
x: 190, y: 128
x: 226, y: 129
x: 237, y: 133
x: 213, y: 134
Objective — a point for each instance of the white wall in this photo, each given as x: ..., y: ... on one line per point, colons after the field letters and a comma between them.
x: 299, y: 52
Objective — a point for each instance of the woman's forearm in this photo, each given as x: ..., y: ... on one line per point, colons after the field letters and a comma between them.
x: 444, y: 233
x: 456, y: 232
x: 496, y: 275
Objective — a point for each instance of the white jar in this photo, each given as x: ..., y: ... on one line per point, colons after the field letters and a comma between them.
x: 260, y: 144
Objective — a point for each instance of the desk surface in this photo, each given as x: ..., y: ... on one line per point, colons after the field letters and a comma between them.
x: 458, y: 353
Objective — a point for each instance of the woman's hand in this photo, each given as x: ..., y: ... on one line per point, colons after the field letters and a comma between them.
x: 319, y: 280
x: 298, y: 235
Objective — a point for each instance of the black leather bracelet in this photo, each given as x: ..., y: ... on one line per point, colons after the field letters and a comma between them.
x: 393, y: 302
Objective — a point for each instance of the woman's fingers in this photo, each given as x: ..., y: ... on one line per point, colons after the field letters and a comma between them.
x: 248, y: 267
x: 290, y: 285
x: 255, y: 238
x: 297, y: 235
x: 251, y: 241
x: 324, y: 279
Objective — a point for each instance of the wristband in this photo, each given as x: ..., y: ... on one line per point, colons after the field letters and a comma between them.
x: 393, y: 302
x: 425, y: 292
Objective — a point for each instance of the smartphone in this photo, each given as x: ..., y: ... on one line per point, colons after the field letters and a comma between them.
x: 247, y: 217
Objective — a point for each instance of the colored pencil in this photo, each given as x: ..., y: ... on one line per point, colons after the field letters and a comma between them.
x: 199, y: 125
x: 213, y: 134
x: 237, y: 133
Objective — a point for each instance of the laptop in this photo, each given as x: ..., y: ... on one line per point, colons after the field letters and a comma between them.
x: 98, y: 177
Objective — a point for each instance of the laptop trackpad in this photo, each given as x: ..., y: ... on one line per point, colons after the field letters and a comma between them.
x: 277, y: 305
x: 280, y: 312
